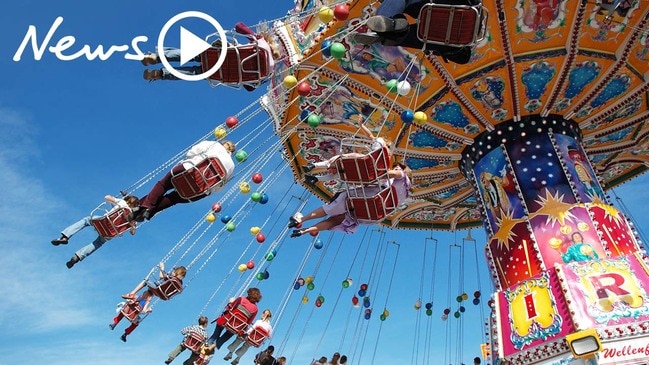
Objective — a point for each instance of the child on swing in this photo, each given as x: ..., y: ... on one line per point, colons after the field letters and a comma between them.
x: 177, y: 274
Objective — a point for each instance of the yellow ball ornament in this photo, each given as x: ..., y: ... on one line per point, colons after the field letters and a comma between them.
x: 308, y: 279
x: 325, y: 14
x: 420, y: 118
x: 289, y: 82
x: 305, y: 299
x: 210, y: 218
x: 254, y: 230
x: 244, y: 187
x: 220, y: 132
x: 242, y: 267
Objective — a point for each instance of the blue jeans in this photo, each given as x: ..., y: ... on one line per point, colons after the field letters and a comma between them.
x: 173, y: 55
x: 88, y: 249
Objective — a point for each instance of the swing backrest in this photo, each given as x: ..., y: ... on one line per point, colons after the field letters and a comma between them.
x: 167, y: 288
x: 372, y: 209
x: 131, y: 311
x: 451, y: 25
x: 365, y: 169
x: 193, y: 341
x: 257, y: 336
x: 112, y: 223
x: 237, y: 319
x: 244, y: 63
x: 198, y: 179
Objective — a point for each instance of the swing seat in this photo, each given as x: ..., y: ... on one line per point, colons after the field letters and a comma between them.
x: 366, y: 169
x: 451, y: 25
x: 111, y: 224
x: 374, y: 208
x: 131, y: 311
x: 193, y: 341
x: 257, y: 336
x: 244, y: 64
x: 166, y: 289
x: 198, y: 180
x: 237, y: 319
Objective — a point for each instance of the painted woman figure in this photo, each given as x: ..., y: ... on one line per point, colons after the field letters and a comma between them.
x: 579, y: 251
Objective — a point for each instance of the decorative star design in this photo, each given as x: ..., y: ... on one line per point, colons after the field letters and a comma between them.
x: 505, y: 233
x: 554, y: 208
x: 610, y: 213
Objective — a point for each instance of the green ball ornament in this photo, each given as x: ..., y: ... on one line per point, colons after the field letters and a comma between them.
x: 255, y: 197
x: 338, y: 50
x: 429, y: 312
x: 260, y: 276
x: 241, y: 155
x: 310, y: 286
x: 345, y: 284
x: 313, y: 120
x: 456, y: 314
x: 230, y: 226
x: 383, y: 317
x: 459, y: 299
x: 392, y: 86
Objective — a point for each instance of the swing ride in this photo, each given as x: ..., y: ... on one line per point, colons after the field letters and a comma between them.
x: 524, y: 140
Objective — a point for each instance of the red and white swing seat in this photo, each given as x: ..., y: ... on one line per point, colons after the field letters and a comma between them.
x: 244, y: 64
x: 237, y: 319
x: 366, y: 169
x: 373, y: 208
x: 166, y: 288
x: 452, y: 25
x: 199, y: 179
x: 193, y: 341
x: 131, y: 311
x: 111, y: 223
x: 257, y: 336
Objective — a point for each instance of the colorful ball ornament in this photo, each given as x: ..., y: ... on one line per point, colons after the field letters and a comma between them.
x: 255, y: 197
x: 244, y: 187
x: 289, y: 82
x: 241, y: 156
x: 254, y: 230
x: 310, y: 286
x: 266, y: 274
x: 407, y: 116
x: 444, y: 317
x: 231, y: 121
x: 429, y: 312
x: 264, y: 198
x: 309, y: 279
x: 447, y: 311
x: 304, y: 88
x: 464, y: 296
x: 392, y: 85
x: 250, y: 265
x: 366, y: 302
x: 386, y: 313
x: 317, y: 244
x: 361, y: 293
x: 382, y: 317
x: 230, y: 226
x: 476, y: 294
x: 456, y: 314
x: 225, y: 218
x: 355, y: 300
x: 210, y: 218
x: 462, y: 309
x: 417, y: 304
x: 301, y: 281
x: 420, y: 118
x: 345, y: 284
x: 242, y: 267
x: 363, y: 286
x: 260, y: 276
x: 325, y: 14
x: 325, y: 47
x: 297, y: 286
x: 429, y: 305
x: 313, y: 120
x: 458, y: 299
x: 321, y: 299
x: 220, y: 132
x: 305, y: 299
x: 216, y: 207
x: 338, y: 50
x: 341, y: 12
x: 403, y: 88
x: 476, y: 301
x: 318, y: 303
x: 312, y: 233
x: 260, y: 237
x: 257, y: 178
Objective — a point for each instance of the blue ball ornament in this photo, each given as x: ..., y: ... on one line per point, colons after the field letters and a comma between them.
x: 318, y: 244
x: 429, y: 305
x: 368, y: 315
x: 266, y: 274
x: 297, y: 286
x: 407, y: 116
x: 361, y: 293
x: 476, y: 301
x: 462, y: 309
x: 225, y: 218
x: 264, y: 198
x: 366, y: 303
x: 326, y: 48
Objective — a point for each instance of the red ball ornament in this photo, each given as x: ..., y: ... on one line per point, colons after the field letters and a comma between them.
x: 313, y: 233
x: 354, y: 300
x: 363, y: 286
x: 260, y: 237
x: 231, y: 121
x: 216, y: 207
x: 341, y: 12
x: 304, y: 88
x: 257, y: 178
x: 250, y: 265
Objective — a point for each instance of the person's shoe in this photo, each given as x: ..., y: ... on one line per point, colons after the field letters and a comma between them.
x: 234, y: 362
x: 123, y: 338
x: 379, y: 23
x: 111, y: 326
x: 295, y: 220
x: 130, y: 296
x: 60, y: 241
x: 72, y: 261
x: 311, y: 180
x: 296, y: 233
x: 228, y: 356
x: 150, y: 59
x: 308, y: 167
x: 152, y: 75
x: 168, y: 361
x: 366, y: 38
x: 460, y: 55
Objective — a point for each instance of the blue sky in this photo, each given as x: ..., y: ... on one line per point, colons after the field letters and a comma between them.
x: 72, y: 132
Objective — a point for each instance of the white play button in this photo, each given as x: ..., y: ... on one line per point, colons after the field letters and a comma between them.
x: 190, y: 46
